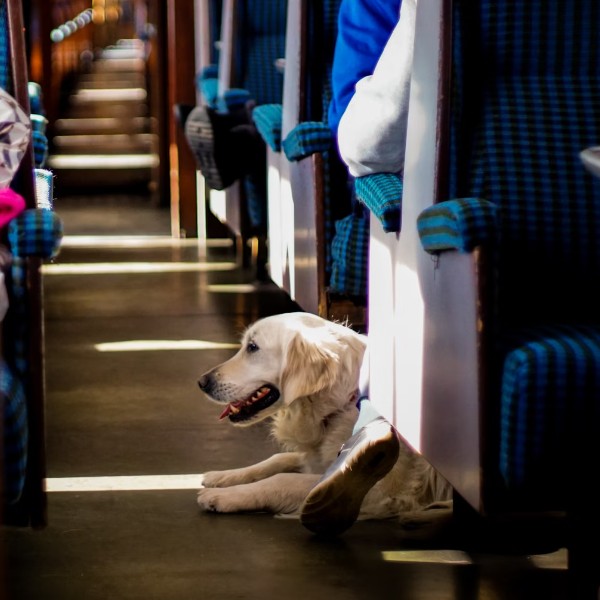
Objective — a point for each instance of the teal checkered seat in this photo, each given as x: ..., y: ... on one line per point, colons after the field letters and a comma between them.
x: 261, y: 41
x: 526, y: 102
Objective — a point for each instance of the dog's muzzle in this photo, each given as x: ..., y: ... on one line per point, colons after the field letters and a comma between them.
x: 245, y: 409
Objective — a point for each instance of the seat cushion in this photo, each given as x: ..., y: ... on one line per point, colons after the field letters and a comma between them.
x: 550, y: 385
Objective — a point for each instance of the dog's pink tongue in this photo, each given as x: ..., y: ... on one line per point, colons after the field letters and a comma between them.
x: 225, y: 412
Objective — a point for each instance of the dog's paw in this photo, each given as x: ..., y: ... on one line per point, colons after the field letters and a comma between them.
x: 215, y: 500
x: 216, y: 479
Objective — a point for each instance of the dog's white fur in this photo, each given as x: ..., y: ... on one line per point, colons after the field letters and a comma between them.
x: 315, y: 365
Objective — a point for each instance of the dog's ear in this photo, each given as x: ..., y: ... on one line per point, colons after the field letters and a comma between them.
x: 309, y: 367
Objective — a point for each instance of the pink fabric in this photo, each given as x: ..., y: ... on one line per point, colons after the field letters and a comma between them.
x: 11, y: 205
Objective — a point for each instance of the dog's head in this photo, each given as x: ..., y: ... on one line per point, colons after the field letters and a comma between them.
x: 283, y: 358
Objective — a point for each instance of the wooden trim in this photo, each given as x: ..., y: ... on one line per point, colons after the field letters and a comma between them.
x: 442, y: 159
x: 181, y: 90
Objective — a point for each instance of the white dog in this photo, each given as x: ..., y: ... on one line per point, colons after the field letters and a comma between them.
x: 302, y: 372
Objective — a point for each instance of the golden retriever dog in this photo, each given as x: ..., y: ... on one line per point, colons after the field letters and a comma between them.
x: 302, y: 372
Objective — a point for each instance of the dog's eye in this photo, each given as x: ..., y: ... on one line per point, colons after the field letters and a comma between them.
x: 251, y: 347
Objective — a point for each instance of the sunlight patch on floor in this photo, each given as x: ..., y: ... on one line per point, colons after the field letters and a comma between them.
x: 139, y: 241
x: 124, y: 483
x: 553, y: 560
x: 101, y: 268
x: 149, y: 345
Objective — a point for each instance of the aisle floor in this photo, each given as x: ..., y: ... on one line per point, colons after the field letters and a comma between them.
x: 120, y: 418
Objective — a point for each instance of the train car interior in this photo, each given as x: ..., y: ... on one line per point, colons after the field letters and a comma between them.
x: 168, y: 176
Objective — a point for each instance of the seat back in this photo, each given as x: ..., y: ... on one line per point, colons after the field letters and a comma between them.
x: 260, y: 41
x: 527, y: 92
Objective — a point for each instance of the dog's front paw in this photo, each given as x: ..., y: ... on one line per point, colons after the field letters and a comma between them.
x: 216, y: 500
x: 216, y: 479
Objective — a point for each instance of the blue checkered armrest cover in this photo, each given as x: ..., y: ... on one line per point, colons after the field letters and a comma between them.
x: 35, y: 232
x: 267, y: 119
x: 461, y: 225
x: 381, y: 193
x: 307, y: 138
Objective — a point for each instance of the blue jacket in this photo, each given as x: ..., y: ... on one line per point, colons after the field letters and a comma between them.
x: 364, y: 27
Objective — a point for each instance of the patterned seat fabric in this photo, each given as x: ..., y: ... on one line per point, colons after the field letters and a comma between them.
x: 261, y: 43
x: 526, y: 103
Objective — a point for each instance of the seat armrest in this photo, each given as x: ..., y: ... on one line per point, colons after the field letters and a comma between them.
x: 268, y: 118
x: 307, y: 138
x: 381, y: 193
x: 461, y: 224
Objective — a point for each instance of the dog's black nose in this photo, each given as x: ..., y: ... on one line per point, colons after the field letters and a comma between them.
x: 204, y: 382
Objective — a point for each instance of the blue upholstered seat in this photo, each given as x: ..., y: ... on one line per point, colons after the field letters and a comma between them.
x: 260, y: 42
x: 526, y: 102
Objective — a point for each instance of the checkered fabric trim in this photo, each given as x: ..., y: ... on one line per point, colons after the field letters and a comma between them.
x: 381, y: 193
x: 35, y: 232
x: 551, y: 378
x: 307, y: 138
x: 350, y: 253
x: 15, y: 433
x: 458, y: 225
x: 5, y: 77
x: 267, y: 119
